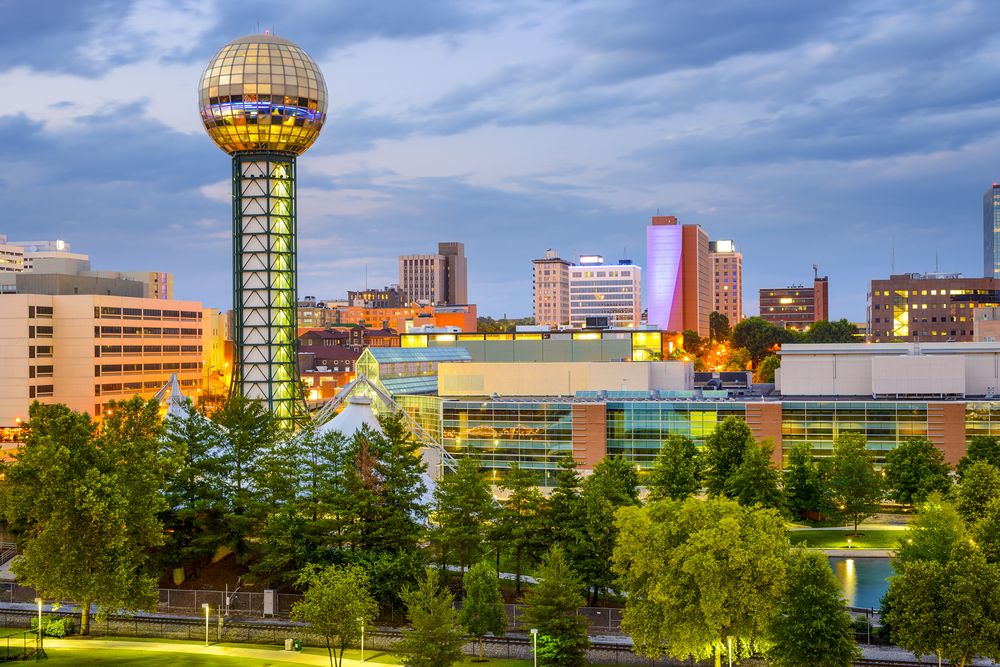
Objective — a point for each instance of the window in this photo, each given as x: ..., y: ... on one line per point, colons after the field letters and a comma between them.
x: 40, y: 371
x: 39, y: 351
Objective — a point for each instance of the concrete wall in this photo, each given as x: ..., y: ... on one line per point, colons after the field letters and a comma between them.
x: 900, y: 375
x: 560, y: 378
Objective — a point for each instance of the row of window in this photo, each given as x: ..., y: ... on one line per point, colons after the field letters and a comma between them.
x: 145, y: 313
x: 129, y: 350
x: 126, y: 369
x: 144, y: 332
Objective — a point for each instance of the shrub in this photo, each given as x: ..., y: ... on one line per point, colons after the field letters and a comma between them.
x: 54, y: 626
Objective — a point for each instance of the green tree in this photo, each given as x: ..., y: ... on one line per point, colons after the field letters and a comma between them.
x: 856, y: 484
x: 718, y: 327
x: 981, y: 448
x: 195, y: 508
x: 613, y: 484
x: 914, y: 470
x: 520, y: 520
x: 933, y: 533
x: 766, y: 368
x: 812, y: 628
x: 482, y: 605
x: 951, y: 609
x: 724, y: 450
x: 87, y: 501
x: 435, y: 636
x: 739, y: 360
x: 807, y: 493
x: 250, y: 432
x: 986, y: 532
x: 676, y: 471
x: 696, y: 572
x: 840, y: 331
x: 463, y: 510
x: 551, y: 607
x: 336, y: 605
x: 756, y: 481
x: 980, y: 485
x: 759, y: 337
x: 564, y: 515
x: 692, y: 342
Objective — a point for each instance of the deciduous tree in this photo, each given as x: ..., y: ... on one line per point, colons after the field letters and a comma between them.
x: 756, y: 481
x: 723, y: 454
x: 812, y: 628
x: 718, y: 326
x: 951, y: 609
x: 980, y: 485
x: 87, y: 500
x: 807, y: 492
x: 933, y: 533
x: 856, y: 484
x: 981, y: 448
x: 914, y: 470
x: 676, y: 471
x: 696, y: 572
x: 336, y: 604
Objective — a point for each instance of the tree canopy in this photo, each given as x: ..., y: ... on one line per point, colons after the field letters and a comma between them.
x: 914, y: 470
x: 856, y: 484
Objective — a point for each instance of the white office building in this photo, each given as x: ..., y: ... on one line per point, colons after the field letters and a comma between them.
x: 598, y: 290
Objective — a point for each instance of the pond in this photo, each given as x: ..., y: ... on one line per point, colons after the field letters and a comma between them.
x: 863, y: 581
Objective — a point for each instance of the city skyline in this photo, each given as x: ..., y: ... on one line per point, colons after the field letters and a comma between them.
x: 843, y: 136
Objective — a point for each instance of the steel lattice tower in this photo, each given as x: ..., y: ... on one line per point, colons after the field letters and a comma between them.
x: 263, y: 101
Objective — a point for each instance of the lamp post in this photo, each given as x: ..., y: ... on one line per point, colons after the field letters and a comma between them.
x: 362, y: 639
x: 729, y: 645
x: 206, y: 608
x: 534, y: 645
x: 38, y: 601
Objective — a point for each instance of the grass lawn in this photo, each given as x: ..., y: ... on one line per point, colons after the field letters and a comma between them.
x: 131, y: 657
x: 871, y: 538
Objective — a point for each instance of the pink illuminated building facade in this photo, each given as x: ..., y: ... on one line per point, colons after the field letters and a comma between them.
x: 679, y: 276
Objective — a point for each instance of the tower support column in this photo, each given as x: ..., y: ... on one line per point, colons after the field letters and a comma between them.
x: 264, y: 283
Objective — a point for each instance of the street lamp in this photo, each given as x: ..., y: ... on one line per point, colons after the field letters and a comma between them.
x: 534, y: 645
x: 848, y: 543
x: 38, y: 601
x: 362, y: 638
x: 206, y: 608
x: 729, y: 644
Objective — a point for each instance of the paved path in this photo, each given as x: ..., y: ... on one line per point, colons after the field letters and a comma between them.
x: 860, y: 553
x: 230, y: 651
x: 877, y: 527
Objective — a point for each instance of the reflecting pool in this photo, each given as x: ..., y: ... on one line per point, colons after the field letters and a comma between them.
x: 862, y: 580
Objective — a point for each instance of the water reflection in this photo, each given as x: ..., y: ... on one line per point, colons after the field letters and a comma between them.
x: 863, y: 581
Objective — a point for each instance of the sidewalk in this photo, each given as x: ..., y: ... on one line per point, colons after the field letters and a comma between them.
x: 275, y: 655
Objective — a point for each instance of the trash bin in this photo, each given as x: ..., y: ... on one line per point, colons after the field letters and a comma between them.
x: 289, y: 644
x: 297, y: 644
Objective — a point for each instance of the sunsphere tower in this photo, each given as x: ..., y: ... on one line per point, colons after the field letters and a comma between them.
x: 263, y: 101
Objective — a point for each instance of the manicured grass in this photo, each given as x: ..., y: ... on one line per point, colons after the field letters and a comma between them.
x: 149, y: 658
x: 871, y: 538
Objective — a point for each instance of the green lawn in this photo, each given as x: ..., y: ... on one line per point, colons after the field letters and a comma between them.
x: 149, y: 658
x: 871, y: 538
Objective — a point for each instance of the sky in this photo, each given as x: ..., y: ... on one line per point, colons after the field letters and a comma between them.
x: 859, y: 136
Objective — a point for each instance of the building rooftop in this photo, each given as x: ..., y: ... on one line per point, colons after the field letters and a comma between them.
x: 402, y: 355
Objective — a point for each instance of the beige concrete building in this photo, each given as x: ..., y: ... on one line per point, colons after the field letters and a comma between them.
x: 986, y: 324
x: 440, y: 278
x: 889, y: 370
x: 727, y: 280
x: 562, y: 378
x: 86, y: 350
x: 550, y: 285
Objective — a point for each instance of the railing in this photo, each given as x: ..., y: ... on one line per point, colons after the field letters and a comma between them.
x: 7, y: 551
x: 18, y: 646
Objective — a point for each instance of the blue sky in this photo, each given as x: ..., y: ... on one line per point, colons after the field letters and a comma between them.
x: 809, y: 132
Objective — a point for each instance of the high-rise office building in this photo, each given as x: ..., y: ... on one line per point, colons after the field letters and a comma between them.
x: 727, y: 280
x: 797, y: 307
x: 921, y: 307
x: 598, y: 290
x: 440, y: 278
x: 551, y: 289
x: 678, y: 276
x: 991, y: 232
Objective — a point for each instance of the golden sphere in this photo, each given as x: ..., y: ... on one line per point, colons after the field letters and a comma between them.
x: 262, y: 93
